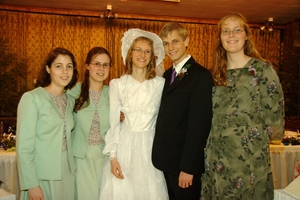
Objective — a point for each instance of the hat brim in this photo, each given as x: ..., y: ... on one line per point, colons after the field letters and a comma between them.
x: 132, y: 34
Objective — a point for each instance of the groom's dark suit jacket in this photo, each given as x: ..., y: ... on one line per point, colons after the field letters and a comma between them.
x: 183, y: 121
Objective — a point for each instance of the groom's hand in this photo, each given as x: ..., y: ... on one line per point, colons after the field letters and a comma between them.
x: 185, y: 180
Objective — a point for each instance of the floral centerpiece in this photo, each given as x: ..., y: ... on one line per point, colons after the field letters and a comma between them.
x: 8, y: 138
x: 286, y: 141
x: 292, y: 141
x: 7, y: 144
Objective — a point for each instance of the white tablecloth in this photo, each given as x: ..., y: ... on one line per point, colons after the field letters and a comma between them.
x: 283, y: 160
x: 282, y: 195
x: 4, y: 195
x: 9, y: 173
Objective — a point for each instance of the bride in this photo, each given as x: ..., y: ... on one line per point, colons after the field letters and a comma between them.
x: 130, y: 173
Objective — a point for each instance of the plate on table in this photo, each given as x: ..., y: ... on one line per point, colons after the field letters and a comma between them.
x: 276, y: 142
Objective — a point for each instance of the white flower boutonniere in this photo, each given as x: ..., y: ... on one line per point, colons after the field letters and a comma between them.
x: 183, y: 72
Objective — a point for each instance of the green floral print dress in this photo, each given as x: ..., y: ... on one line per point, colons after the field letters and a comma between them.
x: 247, y: 114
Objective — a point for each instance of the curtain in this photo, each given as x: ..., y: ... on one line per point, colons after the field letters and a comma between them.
x: 33, y: 35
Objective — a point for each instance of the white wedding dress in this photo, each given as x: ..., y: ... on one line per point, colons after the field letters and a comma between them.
x: 131, y: 141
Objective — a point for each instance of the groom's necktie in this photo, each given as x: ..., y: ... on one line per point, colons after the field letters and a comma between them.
x: 173, y: 76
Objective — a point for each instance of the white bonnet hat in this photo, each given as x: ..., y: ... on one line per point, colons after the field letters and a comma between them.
x: 132, y: 34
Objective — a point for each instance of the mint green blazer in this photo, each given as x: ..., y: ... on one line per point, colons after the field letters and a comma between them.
x: 83, y: 120
x: 39, y: 138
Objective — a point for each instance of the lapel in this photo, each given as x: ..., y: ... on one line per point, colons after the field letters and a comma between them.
x: 176, y: 82
x: 167, y: 76
x: 50, y: 100
x: 102, y: 97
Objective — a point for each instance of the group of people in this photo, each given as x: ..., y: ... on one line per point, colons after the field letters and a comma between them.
x: 189, y: 134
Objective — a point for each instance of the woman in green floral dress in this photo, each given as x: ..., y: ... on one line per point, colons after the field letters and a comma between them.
x: 248, y: 111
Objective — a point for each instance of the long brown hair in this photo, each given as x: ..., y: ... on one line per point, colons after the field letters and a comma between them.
x: 84, y: 98
x: 150, y: 73
x: 220, y: 56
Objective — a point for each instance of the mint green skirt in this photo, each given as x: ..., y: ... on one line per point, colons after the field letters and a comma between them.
x: 89, y: 173
x: 63, y: 189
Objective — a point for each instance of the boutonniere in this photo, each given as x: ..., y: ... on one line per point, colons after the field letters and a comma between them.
x: 183, y: 72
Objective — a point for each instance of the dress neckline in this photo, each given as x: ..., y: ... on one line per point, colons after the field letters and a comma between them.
x: 245, y: 66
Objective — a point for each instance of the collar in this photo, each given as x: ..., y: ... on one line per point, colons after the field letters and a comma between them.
x: 181, y: 64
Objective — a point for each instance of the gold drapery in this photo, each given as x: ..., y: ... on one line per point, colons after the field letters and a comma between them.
x: 33, y: 35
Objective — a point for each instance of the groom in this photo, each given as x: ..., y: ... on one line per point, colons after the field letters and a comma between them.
x: 184, y: 118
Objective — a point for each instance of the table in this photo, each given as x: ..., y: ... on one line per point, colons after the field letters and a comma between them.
x: 9, y: 172
x: 6, y: 196
x: 283, y: 160
x: 282, y: 195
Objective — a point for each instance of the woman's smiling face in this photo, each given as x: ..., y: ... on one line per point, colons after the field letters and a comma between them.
x: 233, y: 36
x: 141, y: 54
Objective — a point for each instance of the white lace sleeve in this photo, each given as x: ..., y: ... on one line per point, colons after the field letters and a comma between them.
x: 112, y: 136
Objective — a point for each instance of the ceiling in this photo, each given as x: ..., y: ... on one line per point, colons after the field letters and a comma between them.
x: 256, y: 11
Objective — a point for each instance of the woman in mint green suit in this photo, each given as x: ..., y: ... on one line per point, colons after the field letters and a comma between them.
x: 91, y: 114
x: 44, y: 141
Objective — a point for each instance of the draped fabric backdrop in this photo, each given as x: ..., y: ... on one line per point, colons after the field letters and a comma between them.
x: 33, y: 35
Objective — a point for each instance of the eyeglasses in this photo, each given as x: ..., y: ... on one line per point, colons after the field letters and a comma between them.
x: 140, y: 51
x: 234, y: 31
x: 97, y: 64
